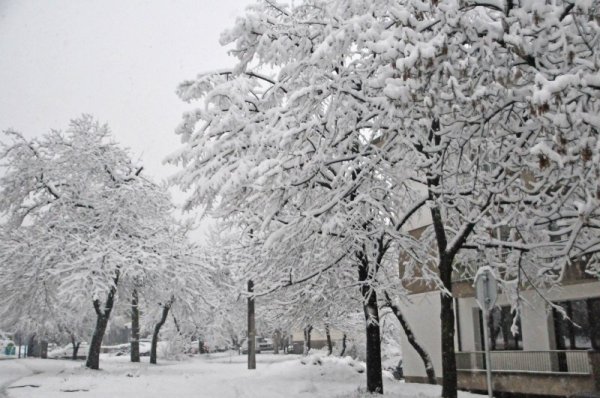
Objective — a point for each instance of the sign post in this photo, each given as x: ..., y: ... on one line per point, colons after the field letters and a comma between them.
x: 486, y: 294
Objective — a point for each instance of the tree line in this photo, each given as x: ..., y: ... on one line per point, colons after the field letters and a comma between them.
x: 82, y: 226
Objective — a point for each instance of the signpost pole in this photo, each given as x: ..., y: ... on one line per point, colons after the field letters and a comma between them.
x: 485, y: 289
x: 488, y: 360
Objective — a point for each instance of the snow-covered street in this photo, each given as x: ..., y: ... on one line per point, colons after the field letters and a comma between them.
x: 218, y: 375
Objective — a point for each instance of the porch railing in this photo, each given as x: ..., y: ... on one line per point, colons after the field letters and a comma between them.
x: 571, y: 362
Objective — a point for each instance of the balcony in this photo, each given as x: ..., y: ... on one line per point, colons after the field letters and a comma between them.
x: 551, y: 373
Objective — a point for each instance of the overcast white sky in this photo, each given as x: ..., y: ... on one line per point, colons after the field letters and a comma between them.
x: 119, y: 60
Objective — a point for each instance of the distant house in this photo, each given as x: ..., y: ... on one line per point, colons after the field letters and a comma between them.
x: 550, y: 356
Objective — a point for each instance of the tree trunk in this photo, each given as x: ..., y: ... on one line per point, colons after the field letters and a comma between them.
x: 161, y: 322
x: 329, y: 345
x: 429, y: 370
x: 371, y: 311
x: 234, y: 342
x: 344, y: 338
x: 276, y: 341
x: 307, y: 336
x: 102, y: 317
x: 445, y: 259
x: 176, y: 324
x: 31, y: 346
x: 135, y: 328
x: 449, y: 384
x: 76, y: 350
x: 93, y: 357
x: 44, y: 349
x: 374, y: 372
x: 251, y: 328
x: 75, y: 346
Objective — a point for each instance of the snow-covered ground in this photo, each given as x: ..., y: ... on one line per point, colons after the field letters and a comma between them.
x: 218, y: 375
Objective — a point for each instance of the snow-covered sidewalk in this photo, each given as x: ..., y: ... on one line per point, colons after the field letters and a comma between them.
x: 218, y: 376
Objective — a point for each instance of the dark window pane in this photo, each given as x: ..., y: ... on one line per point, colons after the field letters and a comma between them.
x: 501, y: 336
x: 581, y: 327
x: 561, y: 327
x: 576, y: 332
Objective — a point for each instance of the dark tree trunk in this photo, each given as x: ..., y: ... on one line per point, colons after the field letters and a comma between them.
x: 449, y: 385
x: 93, y: 357
x: 135, y: 328
x: 102, y: 317
x: 307, y: 337
x: 371, y: 311
x: 329, y: 345
x: 161, y: 322
x: 234, y: 342
x: 374, y: 372
x: 344, y: 338
x: 251, y: 328
x: 44, y: 349
x: 76, y: 350
x: 446, y: 258
x: 412, y: 340
x: 276, y: 341
x: 31, y: 346
x: 75, y: 344
x: 176, y: 324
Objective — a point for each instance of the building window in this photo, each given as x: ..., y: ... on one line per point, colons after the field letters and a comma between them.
x: 501, y: 336
x: 581, y: 331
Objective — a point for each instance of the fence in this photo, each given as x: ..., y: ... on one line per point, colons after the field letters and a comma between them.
x: 572, y: 362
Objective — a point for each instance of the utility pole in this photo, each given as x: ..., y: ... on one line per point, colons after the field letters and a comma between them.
x: 251, y: 328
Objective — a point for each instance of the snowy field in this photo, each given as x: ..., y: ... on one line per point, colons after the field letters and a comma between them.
x: 217, y: 375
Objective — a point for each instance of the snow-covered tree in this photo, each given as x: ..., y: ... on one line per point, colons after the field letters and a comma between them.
x: 33, y: 303
x: 183, y: 288
x: 486, y: 106
x: 342, y: 118
x: 85, y: 213
x: 307, y: 150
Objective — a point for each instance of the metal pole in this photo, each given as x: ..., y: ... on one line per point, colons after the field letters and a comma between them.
x: 251, y: 328
x: 486, y: 337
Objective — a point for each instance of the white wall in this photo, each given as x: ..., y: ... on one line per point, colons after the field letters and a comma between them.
x: 423, y: 316
x: 469, y: 336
